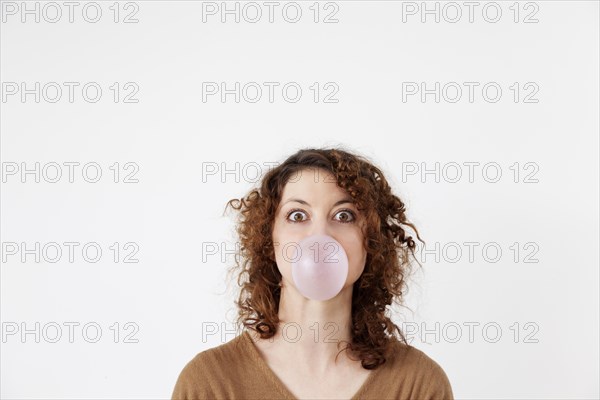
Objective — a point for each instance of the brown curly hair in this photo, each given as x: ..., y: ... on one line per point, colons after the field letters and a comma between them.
x: 386, y: 241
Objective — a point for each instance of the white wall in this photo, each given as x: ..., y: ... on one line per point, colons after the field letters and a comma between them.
x: 176, y: 291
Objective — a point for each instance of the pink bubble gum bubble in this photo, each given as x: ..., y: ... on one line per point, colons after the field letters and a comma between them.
x: 320, y: 268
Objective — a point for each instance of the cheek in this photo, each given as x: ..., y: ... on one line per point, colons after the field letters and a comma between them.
x: 357, y: 256
x: 281, y: 236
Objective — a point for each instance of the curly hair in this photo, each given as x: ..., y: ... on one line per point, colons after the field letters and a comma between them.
x: 386, y: 241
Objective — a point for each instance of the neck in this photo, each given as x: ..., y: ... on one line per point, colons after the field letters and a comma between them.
x: 309, y: 330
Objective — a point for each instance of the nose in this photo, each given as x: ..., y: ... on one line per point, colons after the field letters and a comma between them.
x: 320, y: 227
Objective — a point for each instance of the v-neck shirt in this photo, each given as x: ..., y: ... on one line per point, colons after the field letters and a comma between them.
x: 236, y: 370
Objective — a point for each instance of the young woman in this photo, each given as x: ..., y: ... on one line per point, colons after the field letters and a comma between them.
x: 291, y: 347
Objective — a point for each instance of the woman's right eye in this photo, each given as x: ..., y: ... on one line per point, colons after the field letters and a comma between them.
x: 296, y: 216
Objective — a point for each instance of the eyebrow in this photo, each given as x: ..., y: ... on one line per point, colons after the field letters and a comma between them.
x: 342, y: 201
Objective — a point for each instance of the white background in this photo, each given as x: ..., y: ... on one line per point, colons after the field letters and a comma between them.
x: 176, y: 290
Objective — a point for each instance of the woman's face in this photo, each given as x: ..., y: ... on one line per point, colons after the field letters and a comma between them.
x: 312, y: 203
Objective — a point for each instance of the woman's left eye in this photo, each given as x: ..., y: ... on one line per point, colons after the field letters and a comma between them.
x: 348, y: 216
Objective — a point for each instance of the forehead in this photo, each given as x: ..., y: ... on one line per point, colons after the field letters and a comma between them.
x: 312, y: 184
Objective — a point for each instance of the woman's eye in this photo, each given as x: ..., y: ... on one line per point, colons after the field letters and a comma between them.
x: 346, y: 216
x: 296, y: 216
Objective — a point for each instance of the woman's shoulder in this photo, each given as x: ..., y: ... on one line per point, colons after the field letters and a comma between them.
x: 221, y: 354
x: 203, y: 374
x: 413, y: 368
x: 413, y: 357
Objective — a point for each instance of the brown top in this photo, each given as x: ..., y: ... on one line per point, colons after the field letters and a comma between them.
x: 236, y: 370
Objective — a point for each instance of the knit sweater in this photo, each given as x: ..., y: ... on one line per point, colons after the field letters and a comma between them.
x: 236, y: 370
